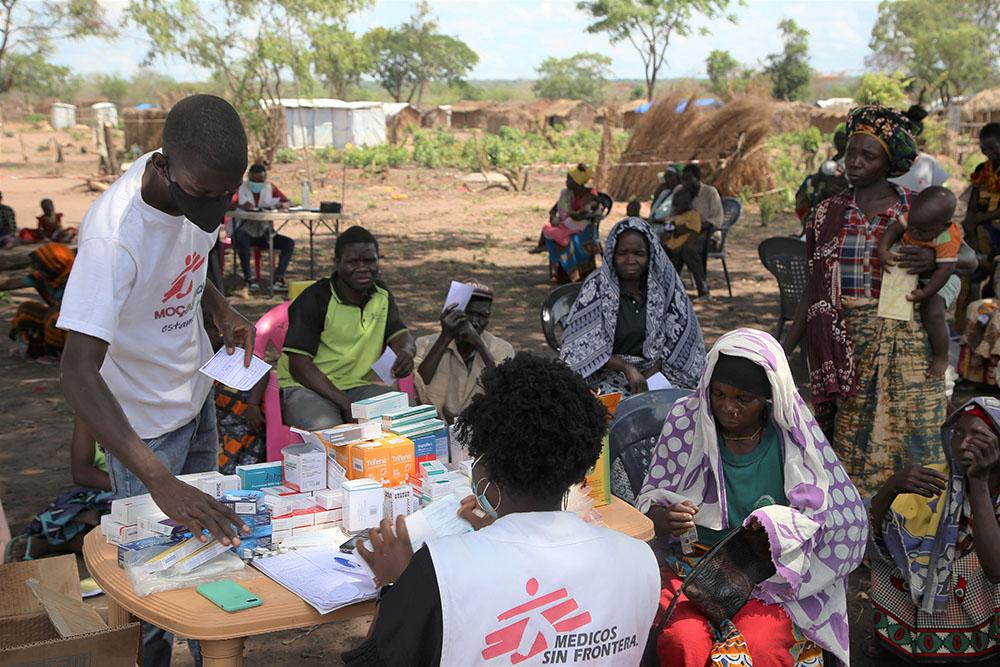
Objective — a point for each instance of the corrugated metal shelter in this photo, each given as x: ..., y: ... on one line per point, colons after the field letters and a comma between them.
x: 63, y: 115
x: 321, y: 123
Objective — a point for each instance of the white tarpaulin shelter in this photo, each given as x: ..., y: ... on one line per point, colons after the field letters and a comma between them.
x: 320, y: 123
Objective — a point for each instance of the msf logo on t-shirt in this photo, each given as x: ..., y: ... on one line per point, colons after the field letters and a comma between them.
x: 182, y: 288
x: 184, y: 283
x: 546, y: 626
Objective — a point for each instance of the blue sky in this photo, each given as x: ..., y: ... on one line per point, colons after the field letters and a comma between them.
x: 513, y: 36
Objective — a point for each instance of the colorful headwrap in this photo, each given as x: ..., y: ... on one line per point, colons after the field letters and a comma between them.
x: 920, y: 534
x: 580, y: 174
x: 893, y: 131
x: 53, y: 262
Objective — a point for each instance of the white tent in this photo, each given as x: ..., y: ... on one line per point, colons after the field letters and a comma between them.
x: 319, y: 123
x: 105, y: 112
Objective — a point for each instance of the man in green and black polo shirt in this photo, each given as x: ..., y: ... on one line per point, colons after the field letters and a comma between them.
x: 338, y: 328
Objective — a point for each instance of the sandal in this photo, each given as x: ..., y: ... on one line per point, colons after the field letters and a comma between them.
x: 8, y: 552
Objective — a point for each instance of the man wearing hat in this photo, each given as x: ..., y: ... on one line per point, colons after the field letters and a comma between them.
x: 449, y: 363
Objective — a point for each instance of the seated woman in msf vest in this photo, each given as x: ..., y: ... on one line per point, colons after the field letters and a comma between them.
x: 745, y: 450
x: 535, y: 585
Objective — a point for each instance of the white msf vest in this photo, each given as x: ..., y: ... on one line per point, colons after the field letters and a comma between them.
x: 544, y: 588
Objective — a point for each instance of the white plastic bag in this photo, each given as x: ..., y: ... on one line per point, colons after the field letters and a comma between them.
x: 220, y: 567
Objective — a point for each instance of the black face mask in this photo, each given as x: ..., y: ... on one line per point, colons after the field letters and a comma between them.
x: 205, y: 212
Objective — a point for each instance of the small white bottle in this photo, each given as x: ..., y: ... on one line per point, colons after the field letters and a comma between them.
x: 305, y: 194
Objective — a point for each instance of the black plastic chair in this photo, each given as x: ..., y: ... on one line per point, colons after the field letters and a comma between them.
x: 636, y: 428
x: 555, y: 310
x: 785, y: 258
x: 731, y: 210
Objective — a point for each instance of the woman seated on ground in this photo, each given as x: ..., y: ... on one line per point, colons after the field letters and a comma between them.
x: 62, y: 526
x: 633, y: 318
x: 49, y: 227
x: 745, y: 450
x: 571, y: 251
x: 935, y: 571
x: 467, y: 599
x: 33, y: 327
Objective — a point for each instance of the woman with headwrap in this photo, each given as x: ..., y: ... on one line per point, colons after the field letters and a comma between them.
x: 867, y: 376
x: 744, y: 450
x: 935, y: 569
x: 633, y: 318
x: 33, y: 327
x: 567, y: 235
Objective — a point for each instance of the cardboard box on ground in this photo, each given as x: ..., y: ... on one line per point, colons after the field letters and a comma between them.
x: 28, y: 629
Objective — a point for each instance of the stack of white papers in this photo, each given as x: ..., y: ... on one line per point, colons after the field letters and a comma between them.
x: 322, y: 576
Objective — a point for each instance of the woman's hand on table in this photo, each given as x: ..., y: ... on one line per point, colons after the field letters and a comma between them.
x: 390, y: 552
x: 675, y: 519
x: 471, y: 512
x: 916, y: 260
x: 923, y: 481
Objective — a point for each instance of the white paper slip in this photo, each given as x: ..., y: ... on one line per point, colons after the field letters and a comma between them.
x: 229, y: 370
x: 658, y: 381
x: 383, y: 367
x: 459, y: 295
x: 322, y: 576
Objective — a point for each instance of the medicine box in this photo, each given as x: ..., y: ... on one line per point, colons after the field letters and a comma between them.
x: 401, y: 460
x: 341, y: 454
x: 207, y: 552
x: 329, y: 498
x: 397, y: 501
x: 399, y: 418
x: 371, y: 460
x: 278, y: 536
x: 133, y: 550
x: 117, y: 533
x: 278, y: 505
x: 375, y: 407
x: 363, y: 504
x: 128, y: 510
x: 160, y: 526
x: 259, y: 475
x: 172, y: 555
x: 279, y: 490
x: 339, y: 435
x: 305, y: 467
x: 244, y: 502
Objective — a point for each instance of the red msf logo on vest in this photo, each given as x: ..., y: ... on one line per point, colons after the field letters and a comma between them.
x: 535, y: 621
x: 183, y: 283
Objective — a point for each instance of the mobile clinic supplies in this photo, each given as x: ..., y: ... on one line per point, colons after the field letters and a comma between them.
x: 305, y: 467
x: 375, y: 407
x: 259, y: 475
x: 363, y: 502
x: 398, y: 418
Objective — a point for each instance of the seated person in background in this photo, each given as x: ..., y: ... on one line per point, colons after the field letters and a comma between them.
x: 705, y: 200
x: 33, y: 327
x: 449, y: 363
x: 49, y: 227
x: 633, y: 208
x: 935, y: 565
x: 8, y: 225
x: 576, y: 208
x: 744, y: 450
x: 62, y: 526
x: 257, y: 193
x: 659, y: 211
x: 633, y: 319
x: 687, y: 223
x: 338, y: 328
x: 930, y: 226
x: 534, y: 432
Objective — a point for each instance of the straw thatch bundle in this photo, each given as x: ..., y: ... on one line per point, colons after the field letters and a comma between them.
x: 984, y: 102
x: 729, y: 142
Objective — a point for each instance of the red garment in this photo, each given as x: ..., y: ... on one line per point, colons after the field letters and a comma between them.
x: 687, y: 639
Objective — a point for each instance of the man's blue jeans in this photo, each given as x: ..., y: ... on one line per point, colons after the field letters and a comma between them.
x: 193, y: 447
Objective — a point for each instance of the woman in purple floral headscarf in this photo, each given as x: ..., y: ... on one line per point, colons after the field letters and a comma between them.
x: 778, y: 476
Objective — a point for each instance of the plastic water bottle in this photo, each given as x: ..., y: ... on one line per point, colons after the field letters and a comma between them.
x: 305, y: 194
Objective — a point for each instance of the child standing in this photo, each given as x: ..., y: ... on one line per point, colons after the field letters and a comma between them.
x: 930, y: 226
x: 687, y: 225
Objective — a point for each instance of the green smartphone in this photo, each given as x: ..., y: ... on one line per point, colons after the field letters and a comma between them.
x: 229, y: 595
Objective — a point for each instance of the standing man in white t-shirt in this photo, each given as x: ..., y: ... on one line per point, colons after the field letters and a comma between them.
x: 133, y: 309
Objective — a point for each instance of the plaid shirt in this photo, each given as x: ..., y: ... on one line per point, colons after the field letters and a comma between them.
x: 860, y: 271
x: 7, y: 224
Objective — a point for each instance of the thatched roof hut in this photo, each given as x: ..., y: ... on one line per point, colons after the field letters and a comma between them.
x: 570, y: 114
x: 468, y: 115
x: 982, y: 108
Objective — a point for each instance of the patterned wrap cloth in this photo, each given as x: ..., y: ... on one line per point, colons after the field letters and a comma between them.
x: 817, y: 540
x: 931, y: 597
x: 673, y: 335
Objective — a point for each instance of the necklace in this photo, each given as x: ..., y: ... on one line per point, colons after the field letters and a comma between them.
x: 733, y: 438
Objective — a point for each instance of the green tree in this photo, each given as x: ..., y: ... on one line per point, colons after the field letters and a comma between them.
x: 582, y: 77
x: 27, y: 32
x: 789, y: 70
x: 885, y: 89
x: 113, y: 87
x: 339, y: 58
x: 649, y: 25
x: 405, y: 60
x: 722, y: 68
x: 946, y: 48
x: 249, y: 62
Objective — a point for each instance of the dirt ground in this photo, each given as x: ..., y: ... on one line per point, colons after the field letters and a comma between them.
x: 432, y: 227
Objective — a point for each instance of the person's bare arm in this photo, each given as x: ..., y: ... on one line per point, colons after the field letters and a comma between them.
x: 90, y: 397
x: 892, y: 234
x: 12, y: 283
x: 429, y: 364
x: 405, y: 348
x: 934, y: 284
x: 305, y: 371
x: 252, y: 414
x: 236, y: 330
x: 983, y: 454
x: 82, y: 449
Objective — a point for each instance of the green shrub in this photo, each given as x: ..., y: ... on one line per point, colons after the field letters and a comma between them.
x: 934, y: 134
x: 770, y: 207
x: 327, y: 154
x: 376, y: 156
x: 286, y: 155
x: 36, y: 119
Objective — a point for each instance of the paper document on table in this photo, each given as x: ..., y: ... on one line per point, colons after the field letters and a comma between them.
x: 896, y: 286
x: 458, y: 295
x: 658, y: 381
x: 322, y: 576
x: 383, y: 367
x: 230, y: 371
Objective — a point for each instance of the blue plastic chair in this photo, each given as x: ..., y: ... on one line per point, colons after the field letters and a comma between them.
x: 636, y: 428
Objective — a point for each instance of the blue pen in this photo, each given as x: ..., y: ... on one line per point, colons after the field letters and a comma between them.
x: 346, y: 563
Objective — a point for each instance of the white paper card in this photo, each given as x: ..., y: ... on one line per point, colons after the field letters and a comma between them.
x: 383, y: 367
x: 896, y: 286
x: 229, y: 370
x: 658, y: 381
x: 459, y: 295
